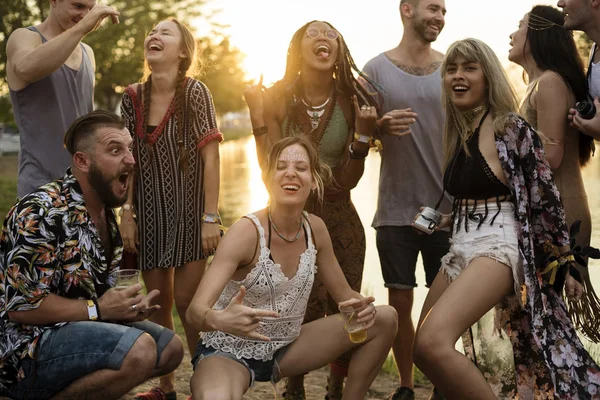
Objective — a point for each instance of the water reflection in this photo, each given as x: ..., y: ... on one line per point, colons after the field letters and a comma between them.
x: 242, y: 191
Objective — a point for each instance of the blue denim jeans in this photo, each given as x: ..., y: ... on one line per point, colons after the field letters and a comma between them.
x: 260, y: 371
x: 77, y: 349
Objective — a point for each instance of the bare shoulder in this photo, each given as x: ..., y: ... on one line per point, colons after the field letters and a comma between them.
x: 552, y: 84
x: 22, y: 38
x: 319, y: 229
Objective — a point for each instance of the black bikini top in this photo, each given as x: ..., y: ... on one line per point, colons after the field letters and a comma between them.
x: 470, y: 177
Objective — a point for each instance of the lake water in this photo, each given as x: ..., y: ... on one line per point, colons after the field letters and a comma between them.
x: 242, y: 191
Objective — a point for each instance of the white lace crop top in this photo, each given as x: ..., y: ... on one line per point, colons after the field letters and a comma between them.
x: 268, y: 288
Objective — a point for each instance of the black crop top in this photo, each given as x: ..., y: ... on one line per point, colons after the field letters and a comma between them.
x: 471, y: 177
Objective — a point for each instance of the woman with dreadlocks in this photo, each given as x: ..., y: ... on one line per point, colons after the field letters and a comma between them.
x: 172, y: 119
x: 315, y: 99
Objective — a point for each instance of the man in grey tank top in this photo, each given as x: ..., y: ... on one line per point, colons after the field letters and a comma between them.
x: 50, y: 75
x: 411, y: 167
x: 585, y: 16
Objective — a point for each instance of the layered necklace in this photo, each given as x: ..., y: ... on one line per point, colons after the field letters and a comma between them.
x: 280, y: 234
x: 315, y: 113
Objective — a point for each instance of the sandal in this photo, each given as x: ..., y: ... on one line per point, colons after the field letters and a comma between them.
x: 156, y: 393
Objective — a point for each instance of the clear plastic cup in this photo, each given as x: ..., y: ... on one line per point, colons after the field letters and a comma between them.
x: 356, y: 331
x: 126, y: 278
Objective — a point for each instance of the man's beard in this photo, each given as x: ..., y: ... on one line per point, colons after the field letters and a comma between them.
x: 103, y: 187
x: 421, y: 27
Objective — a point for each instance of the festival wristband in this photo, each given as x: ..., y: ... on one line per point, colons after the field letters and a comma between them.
x: 210, y: 218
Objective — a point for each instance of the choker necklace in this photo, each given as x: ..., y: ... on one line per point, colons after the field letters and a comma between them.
x: 472, y: 115
x: 279, y: 233
x: 315, y: 113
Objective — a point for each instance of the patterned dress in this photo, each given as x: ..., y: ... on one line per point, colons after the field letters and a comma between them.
x: 49, y: 245
x: 169, y: 201
x: 337, y: 211
x: 549, y: 359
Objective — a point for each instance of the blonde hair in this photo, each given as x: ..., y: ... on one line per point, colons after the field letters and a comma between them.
x: 501, y: 97
x: 321, y: 173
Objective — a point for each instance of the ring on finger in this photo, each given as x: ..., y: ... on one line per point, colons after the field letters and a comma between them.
x: 363, y: 108
x: 134, y: 307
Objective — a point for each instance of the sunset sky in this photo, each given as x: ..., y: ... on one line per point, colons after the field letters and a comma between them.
x: 262, y: 29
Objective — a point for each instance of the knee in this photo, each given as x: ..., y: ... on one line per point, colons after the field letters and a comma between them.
x: 182, y: 303
x: 203, y: 390
x: 386, y: 320
x: 171, y: 356
x: 402, y: 301
x: 428, y: 347
x: 141, y: 358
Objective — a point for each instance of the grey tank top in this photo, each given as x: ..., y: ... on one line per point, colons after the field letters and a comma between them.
x: 411, y: 168
x: 43, y: 111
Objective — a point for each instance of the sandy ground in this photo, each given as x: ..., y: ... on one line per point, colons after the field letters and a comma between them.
x: 315, y: 383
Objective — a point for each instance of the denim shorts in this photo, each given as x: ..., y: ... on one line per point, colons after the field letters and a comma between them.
x: 260, y: 371
x: 77, y: 349
x: 399, y: 248
x: 495, y: 238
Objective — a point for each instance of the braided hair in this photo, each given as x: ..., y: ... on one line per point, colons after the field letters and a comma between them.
x: 187, y: 65
x: 346, y: 83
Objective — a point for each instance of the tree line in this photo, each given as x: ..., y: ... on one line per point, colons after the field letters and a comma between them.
x: 119, y: 49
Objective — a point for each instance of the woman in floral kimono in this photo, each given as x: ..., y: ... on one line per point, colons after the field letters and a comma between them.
x: 507, y: 215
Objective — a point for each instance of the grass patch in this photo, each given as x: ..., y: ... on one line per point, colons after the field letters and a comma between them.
x: 8, y: 195
x: 389, y: 367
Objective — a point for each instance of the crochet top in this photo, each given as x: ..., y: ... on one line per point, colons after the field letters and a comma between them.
x: 267, y: 288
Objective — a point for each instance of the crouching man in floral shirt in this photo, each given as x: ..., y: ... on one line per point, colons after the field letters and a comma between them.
x: 65, y: 332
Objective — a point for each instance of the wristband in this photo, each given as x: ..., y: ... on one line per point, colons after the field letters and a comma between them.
x: 263, y: 130
x: 92, y: 310
x: 210, y: 218
x: 97, y: 309
x: 362, y: 138
x: 355, y: 156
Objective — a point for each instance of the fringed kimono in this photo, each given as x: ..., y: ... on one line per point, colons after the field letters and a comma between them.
x: 550, y: 361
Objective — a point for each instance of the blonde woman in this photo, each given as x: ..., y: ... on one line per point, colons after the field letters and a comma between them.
x: 506, y: 209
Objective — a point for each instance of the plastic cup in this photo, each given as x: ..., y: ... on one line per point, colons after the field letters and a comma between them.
x: 356, y: 331
x: 126, y: 278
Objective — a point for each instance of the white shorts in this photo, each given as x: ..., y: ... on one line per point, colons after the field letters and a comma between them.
x: 497, y: 241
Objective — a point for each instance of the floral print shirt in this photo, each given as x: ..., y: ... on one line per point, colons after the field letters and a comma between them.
x: 549, y: 359
x: 48, y: 244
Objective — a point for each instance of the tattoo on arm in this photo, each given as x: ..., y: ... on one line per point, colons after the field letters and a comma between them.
x: 419, y: 71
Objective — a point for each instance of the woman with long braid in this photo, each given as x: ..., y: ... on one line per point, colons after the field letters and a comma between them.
x: 315, y: 98
x: 172, y: 119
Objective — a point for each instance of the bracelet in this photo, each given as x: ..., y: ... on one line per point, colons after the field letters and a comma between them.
x: 97, y: 309
x: 355, y: 156
x: 362, y: 138
x: 209, y: 218
x: 260, y: 130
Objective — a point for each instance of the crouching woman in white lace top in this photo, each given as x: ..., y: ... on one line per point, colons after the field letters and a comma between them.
x: 251, y: 302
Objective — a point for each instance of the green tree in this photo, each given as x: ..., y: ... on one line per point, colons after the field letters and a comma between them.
x: 584, y: 45
x: 222, y: 73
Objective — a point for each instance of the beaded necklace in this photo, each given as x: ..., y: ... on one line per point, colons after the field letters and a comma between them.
x: 280, y: 234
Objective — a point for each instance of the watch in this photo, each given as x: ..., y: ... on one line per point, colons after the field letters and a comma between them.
x: 92, y: 310
x: 127, y: 207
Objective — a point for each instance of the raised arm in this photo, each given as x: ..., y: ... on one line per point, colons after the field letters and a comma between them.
x: 29, y: 60
x: 265, y: 125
